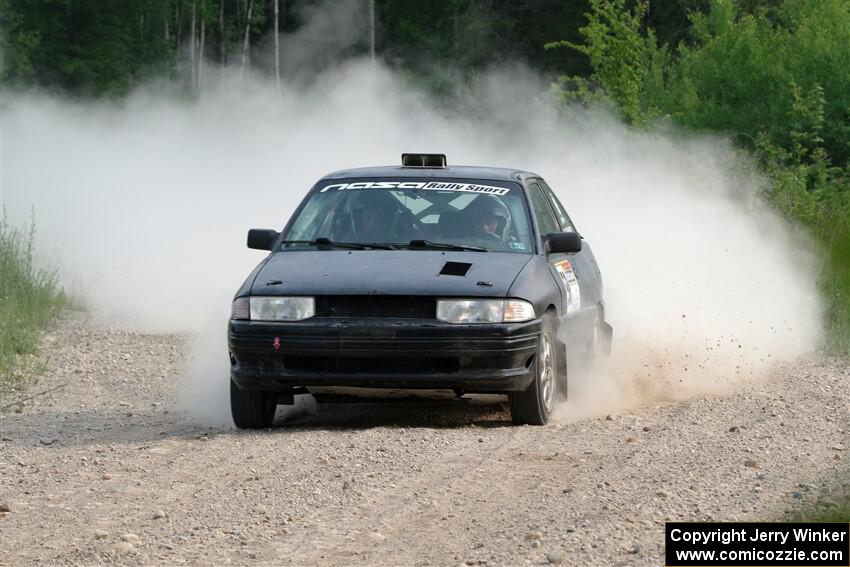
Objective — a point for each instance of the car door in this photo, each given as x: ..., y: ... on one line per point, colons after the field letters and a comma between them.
x: 569, y: 270
x: 587, y: 268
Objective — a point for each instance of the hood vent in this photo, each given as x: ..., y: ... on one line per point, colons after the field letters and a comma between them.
x: 423, y: 160
x: 455, y: 269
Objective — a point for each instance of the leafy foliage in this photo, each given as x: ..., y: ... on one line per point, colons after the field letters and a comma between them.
x: 775, y: 80
x: 104, y: 48
x: 82, y: 46
x: 622, y: 58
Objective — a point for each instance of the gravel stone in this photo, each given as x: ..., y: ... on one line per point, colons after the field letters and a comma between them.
x: 125, y: 548
x: 416, y: 484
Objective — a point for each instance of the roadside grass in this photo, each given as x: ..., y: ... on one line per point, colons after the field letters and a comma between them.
x: 829, y: 222
x: 30, y: 298
x: 831, y: 506
x: 835, y: 286
x: 838, y: 513
x: 823, y: 208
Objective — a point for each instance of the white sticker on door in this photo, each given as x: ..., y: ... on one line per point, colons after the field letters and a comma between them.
x: 568, y: 277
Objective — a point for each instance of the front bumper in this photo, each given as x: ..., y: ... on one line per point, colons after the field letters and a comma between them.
x: 382, y: 353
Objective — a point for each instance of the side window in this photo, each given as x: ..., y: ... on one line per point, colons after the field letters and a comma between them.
x: 563, y: 218
x: 545, y: 218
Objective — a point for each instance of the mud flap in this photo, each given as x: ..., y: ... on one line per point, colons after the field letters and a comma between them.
x: 607, y: 338
x: 561, y: 369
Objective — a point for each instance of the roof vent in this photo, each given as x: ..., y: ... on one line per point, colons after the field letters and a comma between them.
x: 423, y: 160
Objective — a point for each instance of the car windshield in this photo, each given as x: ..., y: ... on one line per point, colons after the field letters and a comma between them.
x: 487, y: 214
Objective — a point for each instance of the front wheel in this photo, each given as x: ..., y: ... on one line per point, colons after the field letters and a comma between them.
x: 251, y: 409
x: 535, y: 404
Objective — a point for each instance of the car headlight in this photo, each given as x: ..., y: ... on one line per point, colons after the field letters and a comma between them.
x: 273, y: 308
x: 484, y: 310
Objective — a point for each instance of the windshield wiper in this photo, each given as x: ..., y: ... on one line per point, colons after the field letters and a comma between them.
x: 336, y: 244
x: 444, y: 246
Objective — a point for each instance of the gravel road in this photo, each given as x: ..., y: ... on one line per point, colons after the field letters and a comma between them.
x: 108, y: 470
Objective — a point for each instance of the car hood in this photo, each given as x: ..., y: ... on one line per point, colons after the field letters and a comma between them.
x: 390, y: 272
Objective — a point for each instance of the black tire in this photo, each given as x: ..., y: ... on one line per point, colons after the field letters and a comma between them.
x: 535, y: 404
x: 251, y: 409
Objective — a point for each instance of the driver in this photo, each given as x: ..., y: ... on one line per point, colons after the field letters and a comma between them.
x: 490, y: 218
x: 373, y: 217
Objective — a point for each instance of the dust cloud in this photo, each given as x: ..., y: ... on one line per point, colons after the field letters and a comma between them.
x: 146, y: 202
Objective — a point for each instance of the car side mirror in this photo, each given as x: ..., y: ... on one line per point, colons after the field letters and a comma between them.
x: 262, y: 238
x: 562, y: 242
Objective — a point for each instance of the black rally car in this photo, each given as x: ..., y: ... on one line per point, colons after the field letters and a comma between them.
x: 424, y: 276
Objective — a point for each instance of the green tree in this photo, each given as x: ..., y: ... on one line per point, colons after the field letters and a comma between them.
x: 625, y: 61
x: 84, y: 47
x: 18, y: 44
x: 774, y: 75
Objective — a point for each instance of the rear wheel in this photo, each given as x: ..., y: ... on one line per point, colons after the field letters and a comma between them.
x: 251, y: 409
x: 535, y: 404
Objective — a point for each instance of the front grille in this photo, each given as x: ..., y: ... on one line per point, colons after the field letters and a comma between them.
x: 383, y: 365
x: 377, y: 306
x: 258, y: 363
